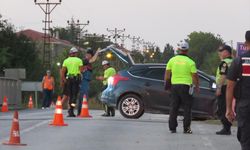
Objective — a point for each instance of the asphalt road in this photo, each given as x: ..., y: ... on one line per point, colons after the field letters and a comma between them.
x: 117, y: 133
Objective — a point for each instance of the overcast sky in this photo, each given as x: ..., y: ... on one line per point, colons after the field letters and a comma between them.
x: 159, y: 21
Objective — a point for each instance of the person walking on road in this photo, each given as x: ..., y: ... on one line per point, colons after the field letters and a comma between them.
x: 108, y: 72
x: 74, y: 66
x: 225, y: 54
x: 238, y: 86
x: 181, y: 73
x: 90, y: 57
x: 48, y: 85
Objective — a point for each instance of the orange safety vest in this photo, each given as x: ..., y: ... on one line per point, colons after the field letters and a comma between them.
x: 48, y: 82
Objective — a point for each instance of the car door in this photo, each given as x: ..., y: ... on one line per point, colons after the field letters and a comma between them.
x: 158, y: 98
x: 121, y: 53
x: 205, y: 101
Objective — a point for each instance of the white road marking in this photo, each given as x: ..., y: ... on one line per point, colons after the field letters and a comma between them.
x: 30, y: 128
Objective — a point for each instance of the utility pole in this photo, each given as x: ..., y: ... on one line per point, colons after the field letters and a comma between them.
x: 79, y: 29
x: 115, y: 33
x: 145, y: 46
x: 134, y: 40
x: 139, y: 42
x: 47, y: 7
x: 123, y: 38
x: 151, y: 46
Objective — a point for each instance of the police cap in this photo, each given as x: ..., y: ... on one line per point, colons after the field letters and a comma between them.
x: 225, y: 47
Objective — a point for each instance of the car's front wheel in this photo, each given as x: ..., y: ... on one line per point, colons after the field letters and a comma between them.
x: 131, y: 106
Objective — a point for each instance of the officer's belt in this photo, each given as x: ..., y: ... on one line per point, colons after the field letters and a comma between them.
x: 71, y: 76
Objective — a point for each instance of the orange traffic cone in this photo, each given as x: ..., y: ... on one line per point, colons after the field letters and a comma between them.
x: 14, y: 132
x: 5, y: 105
x: 58, y: 116
x: 30, y: 104
x: 85, y: 109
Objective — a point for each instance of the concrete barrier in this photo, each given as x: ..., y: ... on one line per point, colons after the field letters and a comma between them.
x: 12, y: 89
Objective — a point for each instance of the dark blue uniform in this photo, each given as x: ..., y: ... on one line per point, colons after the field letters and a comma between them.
x: 239, y: 72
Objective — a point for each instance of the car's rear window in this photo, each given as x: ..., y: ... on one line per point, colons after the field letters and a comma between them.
x: 149, y: 72
x: 138, y: 71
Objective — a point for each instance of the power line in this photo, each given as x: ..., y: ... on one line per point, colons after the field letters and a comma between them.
x: 115, y: 33
x: 134, y: 40
x: 80, y: 27
x: 123, y: 37
x: 47, y: 7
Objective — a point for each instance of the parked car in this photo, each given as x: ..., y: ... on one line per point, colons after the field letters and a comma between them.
x: 140, y: 88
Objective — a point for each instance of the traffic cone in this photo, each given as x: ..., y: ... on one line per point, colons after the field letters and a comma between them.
x: 5, y: 105
x: 58, y: 116
x: 14, y: 132
x: 30, y: 104
x: 85, y: 109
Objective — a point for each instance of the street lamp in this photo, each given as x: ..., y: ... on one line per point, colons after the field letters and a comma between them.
x: 58, y: 64
x: 109, y: 55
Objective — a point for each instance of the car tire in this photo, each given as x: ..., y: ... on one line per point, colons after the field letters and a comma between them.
x: 131, y: 106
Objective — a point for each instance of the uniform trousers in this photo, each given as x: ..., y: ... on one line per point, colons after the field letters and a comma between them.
x: 180, y: 96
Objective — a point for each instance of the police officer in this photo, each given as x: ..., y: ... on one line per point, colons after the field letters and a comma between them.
x: 181, y: 73
x: 238, y: 86
x: 73, y: 65
x: 90, y: 57
x: 225, y: 53
x: 108, y: 72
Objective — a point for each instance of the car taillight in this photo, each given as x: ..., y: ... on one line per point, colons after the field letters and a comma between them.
x: 115, y: 79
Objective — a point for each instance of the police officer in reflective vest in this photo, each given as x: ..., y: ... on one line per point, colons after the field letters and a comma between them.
x: 225, y: 53
x: 74, y: 66
x: 180, y: 74
x: 238, y: 86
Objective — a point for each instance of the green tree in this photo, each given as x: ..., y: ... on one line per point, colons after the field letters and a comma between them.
x: 17, y: 51
x: 70, y: 33
x: 137, y: 56
x: 156, y: 55
x: 210, y: 63
x: 4, y: 54
x: 167, y: 53
x: 203, y: 49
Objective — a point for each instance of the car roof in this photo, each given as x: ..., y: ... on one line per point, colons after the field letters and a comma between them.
x: 148, y: 65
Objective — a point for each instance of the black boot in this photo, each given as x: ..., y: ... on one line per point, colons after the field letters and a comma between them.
x: 224, y: 131
x: 78, y: 112
x: 71, y: 113
x: 187, y: 131
x: 106, y: 115
x: 112, y: 111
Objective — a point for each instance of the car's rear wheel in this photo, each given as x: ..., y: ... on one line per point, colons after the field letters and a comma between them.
x: 131, y: 106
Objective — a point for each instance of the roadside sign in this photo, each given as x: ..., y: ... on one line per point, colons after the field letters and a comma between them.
x: 33, y: 87
x: 241, y: 48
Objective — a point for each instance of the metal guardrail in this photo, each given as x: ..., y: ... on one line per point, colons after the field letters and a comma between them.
x: 12, y: 89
